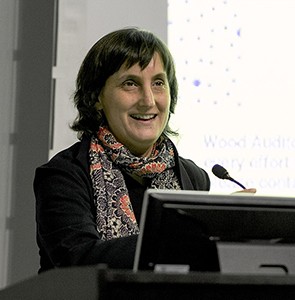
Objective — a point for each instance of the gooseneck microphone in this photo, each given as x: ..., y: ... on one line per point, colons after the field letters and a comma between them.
x: 222, y: 173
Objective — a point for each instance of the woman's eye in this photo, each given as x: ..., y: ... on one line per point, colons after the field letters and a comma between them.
x: 129, y: 84
x: 159, y: 84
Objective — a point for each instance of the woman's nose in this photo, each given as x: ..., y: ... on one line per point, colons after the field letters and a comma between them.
x: 147, y: 97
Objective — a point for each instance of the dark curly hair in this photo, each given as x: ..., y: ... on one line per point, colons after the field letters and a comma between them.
x: 107, y: 55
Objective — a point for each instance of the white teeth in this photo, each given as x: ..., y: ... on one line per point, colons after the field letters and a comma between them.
x: 143, y: 117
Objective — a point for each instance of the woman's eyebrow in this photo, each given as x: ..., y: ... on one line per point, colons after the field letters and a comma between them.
x: 138, y: 77
x: 128, y: 76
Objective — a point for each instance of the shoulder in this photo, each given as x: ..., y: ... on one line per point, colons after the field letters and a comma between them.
x: 74, y: 155
x: 63, y: 158
x: 70, y: 162
x: 197, y: 176
x: 192, y: 177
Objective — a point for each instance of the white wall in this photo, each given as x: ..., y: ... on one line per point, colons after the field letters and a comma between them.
x: 7, y: 80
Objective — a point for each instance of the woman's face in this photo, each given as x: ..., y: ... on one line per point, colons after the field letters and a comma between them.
x: 136, y: 105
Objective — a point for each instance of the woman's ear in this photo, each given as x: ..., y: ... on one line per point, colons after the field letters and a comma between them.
x: 98, y: 105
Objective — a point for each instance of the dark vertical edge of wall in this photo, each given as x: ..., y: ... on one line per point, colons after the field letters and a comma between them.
x: 32, y: 122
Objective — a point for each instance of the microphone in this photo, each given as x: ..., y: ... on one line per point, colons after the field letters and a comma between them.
x: 222, y: 173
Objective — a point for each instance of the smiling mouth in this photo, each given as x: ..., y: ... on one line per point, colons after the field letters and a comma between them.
x: 143, y: 117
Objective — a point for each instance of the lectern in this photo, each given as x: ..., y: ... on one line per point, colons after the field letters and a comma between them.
x: 89, y: 283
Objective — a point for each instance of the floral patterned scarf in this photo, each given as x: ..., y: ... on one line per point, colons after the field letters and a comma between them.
x: 115, y: 217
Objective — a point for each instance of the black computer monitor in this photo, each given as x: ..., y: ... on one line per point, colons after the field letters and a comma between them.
x: 199, y: 231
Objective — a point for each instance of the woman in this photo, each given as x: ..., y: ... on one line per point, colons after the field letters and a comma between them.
x: 89, y: 196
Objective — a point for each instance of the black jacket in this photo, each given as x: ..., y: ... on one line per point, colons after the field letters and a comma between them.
x: 65, y: 211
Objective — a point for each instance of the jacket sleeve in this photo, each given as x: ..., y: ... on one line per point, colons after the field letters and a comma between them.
x: 66, y: 226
